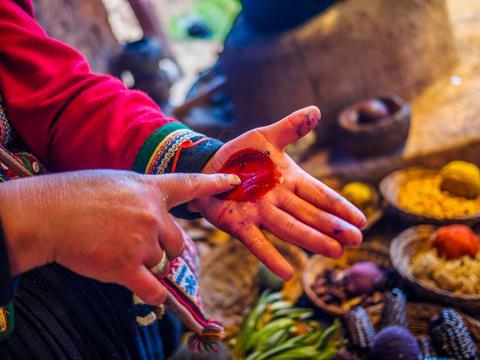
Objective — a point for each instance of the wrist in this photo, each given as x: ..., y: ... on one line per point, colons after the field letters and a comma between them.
x: 24, y: 252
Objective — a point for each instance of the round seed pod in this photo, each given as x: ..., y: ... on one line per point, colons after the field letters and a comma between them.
x: 395, y: 342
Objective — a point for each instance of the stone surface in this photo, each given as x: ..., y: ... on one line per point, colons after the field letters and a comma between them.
x: 81, y: 24
x: 445, y: 117
x: 354, y: 50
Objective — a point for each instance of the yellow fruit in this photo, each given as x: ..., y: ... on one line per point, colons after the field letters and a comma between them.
x: 358, y: 193
x: 461, y: 178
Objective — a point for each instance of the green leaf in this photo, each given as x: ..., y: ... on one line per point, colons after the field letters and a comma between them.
x: 298, y: 353
x: 262, y: 335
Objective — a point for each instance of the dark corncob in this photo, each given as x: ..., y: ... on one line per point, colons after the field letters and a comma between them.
x: 345, y: 355
x: 451, y: 337
x: 426, y: 347
x: 395, y: 310
x: 360, y: 328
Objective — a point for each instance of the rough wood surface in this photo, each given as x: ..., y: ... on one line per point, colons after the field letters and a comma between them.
x: 356, y: 49
x: 445, y: 117
x: 81, y: 24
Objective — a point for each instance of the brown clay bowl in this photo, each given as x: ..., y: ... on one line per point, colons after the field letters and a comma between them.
x: 374, y: 138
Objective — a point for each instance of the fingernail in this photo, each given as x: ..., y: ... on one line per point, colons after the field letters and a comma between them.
x: 234, y: 179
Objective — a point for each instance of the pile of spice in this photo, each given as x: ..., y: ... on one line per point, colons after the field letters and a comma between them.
x: 452, y: 193
x: 363, y: 284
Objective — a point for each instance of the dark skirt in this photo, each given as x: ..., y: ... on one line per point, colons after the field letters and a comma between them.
x: 61, y: 315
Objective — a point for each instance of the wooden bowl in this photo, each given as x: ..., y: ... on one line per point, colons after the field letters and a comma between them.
x: 390, y: 187
x: 230, y: 286
x: 317, y: 264
x: 378, y: 137
x: 419, y: 316
x: 418, y: 239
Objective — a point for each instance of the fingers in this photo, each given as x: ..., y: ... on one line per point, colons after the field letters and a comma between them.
x: 170, y: 238
x: 320, y: 220
x: 258, y: 244
x: 321, y: 196
x: 292, y: 127
x: 183, y: 188
x: 143, y: 283
x: 287, y: 228
x: 155, y: 258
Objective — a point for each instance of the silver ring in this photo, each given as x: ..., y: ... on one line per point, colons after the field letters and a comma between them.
x: 161, y: 266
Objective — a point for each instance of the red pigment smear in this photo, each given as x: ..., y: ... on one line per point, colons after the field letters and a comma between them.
x: 258, y: 173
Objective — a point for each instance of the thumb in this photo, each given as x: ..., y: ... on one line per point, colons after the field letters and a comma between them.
x: 183, y: 188
x: 293, y: 127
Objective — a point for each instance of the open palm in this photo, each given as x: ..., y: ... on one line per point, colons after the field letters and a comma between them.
x: 299, y: 209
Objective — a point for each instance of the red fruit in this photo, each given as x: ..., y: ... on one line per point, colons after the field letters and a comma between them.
x: 455, y: 241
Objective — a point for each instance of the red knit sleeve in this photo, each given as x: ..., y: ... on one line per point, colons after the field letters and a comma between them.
x: 69, y: 117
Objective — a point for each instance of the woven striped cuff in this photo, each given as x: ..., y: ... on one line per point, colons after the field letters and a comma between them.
x: 174, y: 148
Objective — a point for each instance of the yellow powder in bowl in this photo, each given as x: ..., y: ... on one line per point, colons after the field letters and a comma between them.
x: 423, y: 196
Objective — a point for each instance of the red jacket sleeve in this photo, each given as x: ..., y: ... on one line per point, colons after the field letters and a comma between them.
x: 69, y: 117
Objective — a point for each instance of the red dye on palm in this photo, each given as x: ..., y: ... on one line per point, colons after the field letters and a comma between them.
x: 259, y: 174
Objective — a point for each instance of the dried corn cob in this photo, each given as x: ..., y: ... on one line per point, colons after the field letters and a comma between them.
x: 345, y: 355
x: 451, y: 337
x: 426, y: 347
x: 395, y: 309
x: 360, y: 328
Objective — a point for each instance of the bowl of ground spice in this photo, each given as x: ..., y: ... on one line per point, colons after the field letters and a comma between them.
x: 435, y: 196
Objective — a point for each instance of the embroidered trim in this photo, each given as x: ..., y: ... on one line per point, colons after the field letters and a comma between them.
x: 6, y: 320
x: 148, y: 148
x: 3, y: 320
x: 6, y: 131
x: 167, y: 149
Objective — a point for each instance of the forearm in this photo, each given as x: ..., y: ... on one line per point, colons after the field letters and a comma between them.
x: 6, y: 290
x: 72, y: 118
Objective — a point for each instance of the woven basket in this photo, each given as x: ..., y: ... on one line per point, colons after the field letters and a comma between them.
x: 318, y: 264
x: 230, y: 286
x: 419, y: 316
x: 418, y: 239
x: 390, y: 187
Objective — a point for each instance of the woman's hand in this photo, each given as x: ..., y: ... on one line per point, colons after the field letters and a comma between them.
x: 300, y: 209
x: 108, y: 225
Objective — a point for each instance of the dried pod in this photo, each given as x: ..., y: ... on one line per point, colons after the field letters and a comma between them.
x: 426, y: 347
x: 451, y: 337
x: 360, y: 328
x: 395, y: 309
x: 345, y: 355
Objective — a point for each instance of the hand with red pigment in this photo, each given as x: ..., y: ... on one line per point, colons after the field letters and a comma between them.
x: 278, y: 196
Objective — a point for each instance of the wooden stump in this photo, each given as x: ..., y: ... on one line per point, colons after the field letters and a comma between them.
x: 355, y: 50
x: 81, y: 24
